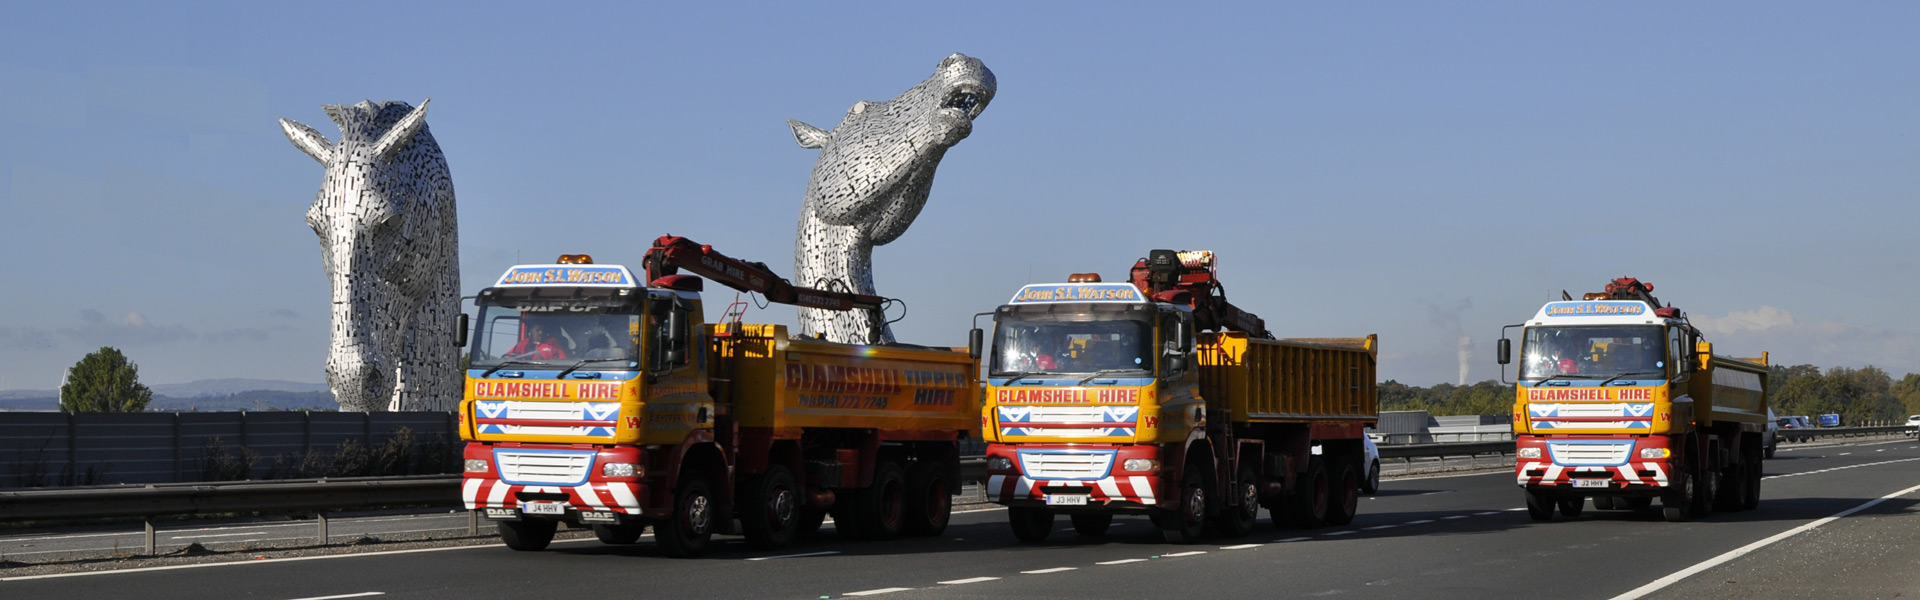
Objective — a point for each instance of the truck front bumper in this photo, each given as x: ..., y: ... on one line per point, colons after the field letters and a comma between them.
x: 1595, y: 465
x: 1059, y: 476
x: 519, y: 475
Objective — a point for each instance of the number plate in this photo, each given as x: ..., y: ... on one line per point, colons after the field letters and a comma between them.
x: 1067, y: 500
x: 1590, y: 483
x: 543, y: 508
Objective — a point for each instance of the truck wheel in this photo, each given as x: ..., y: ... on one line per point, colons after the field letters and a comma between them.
x: 1185, y: 526
x: 687, y: 531
x: 1675, y: 503
x: 1030, y: 525
x: 625, y: 533
x: 929, y: 501
x: 1751, y: 499
x: 1306, y: 504
x: 1092, y: 524
x: 1704, y: 489
x: 1539, y: 505
x: 1572, y: 507
x: 770, y: 512
x: 1345, y: 489
x: 528, y: 536
x: 1238, y: 521
x: 881, y: 508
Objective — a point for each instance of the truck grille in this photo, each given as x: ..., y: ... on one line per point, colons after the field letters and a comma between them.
x: 549, y: 467
x: 1590, y: 454
x: 1065, y: 465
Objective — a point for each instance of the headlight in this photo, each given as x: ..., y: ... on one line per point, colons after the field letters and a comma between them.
x: 620, y: 470
x: 999, y: 463
x: 1140, y: 464
x: 1654, y: 453
x: 476, y: 465
x: 1528, y: 452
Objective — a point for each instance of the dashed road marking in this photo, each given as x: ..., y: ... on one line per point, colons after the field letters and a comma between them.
x: 1240, y: 547
x: 1343, y: 532
x: 1122, y: 561
x: 1295, y: 539
x: 968, y: 580
x: 795, y: 555
x: 1045, y: 571
x: 877, y: 592
x: 1420, y: 522
x: 1378, y: 527
x: 1455, y: 517
x: 1187, y: 553
x: 359, y: 595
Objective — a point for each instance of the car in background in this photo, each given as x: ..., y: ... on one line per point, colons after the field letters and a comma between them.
x: 1371, y: 482
x: 1790, y: 428
x: 1771, y: 439
x: 1913, y: 425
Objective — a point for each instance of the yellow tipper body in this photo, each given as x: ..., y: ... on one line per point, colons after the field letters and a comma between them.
x: 1289, y: 380
x: 794, y: 383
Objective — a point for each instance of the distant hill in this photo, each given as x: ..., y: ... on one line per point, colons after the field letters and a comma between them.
x: 262, y: 400
x: 223, y: 387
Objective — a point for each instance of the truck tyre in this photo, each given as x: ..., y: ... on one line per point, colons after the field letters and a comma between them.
x: 687, y: 531
x: 1539, y: 505
x: 770, y: 512
x: 1751, y: 499
x: 624, y: 533
x: 528, y: 535
x: 881, y: 508
x: 1675, y: 503
x: 929, y: 501
x: 1704, y: 490
x: 1030, y: 525
x: 1306, y: 504
x: 1092, y: 524
x: 1186, y: 525
x: 1572, y: 507
x: 1238, y: 521
x: 1345, y: 489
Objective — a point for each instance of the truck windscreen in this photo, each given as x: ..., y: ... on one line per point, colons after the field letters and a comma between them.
x: 1594, y: 352
x: 1066, y: 346
x: 558, y: 336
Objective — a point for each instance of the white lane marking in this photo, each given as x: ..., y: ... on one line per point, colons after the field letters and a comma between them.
x: 266, y: 562
x: 1045, y: 571
x: 1871, y: 464
x: 1122, y: 561
x: 1663, y: 582
x: 1845, y: 453
x: 1433, y: 493
x: 968, y: 580
x: 877, y: 592
x: 1515, y: 509
x: 1240, y: 547
x: 1342, y: 532
x: 1295, y: 539
x: 214, y: 535
x: 795, y: 555
x: 1180, y: 554
x: 1377, y: 527
x: 1454, y: 517
x: 1419, y: 522
x: 1486, y: 512
x: 359, y: 595
x: 1881, y: 450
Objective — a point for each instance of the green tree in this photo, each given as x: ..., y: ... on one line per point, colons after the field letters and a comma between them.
x: 1908, y: 391
x: 104, y: 381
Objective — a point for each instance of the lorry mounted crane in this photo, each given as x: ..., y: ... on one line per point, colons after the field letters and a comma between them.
x: 1159, y: 397
x: 594, y: 398
x: 1619, y: 399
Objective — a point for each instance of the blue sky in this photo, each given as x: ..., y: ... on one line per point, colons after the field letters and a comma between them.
x: 1421, y: 171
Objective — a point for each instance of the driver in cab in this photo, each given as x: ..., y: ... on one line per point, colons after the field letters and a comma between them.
x: 537, y: 344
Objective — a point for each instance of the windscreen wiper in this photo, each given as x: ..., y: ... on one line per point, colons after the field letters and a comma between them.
x: 1022, y: 375
x: 1097, y: 374
x: 583, y: 363
x: 507, y: 363
x: 1610, y: 379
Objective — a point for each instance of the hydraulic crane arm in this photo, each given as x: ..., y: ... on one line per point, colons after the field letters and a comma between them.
x: 671, y: 253
x: 1192, y: 272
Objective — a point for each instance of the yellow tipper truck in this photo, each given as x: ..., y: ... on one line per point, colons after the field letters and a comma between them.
x: 1619, y: 400
x: 595, y: 399
x: 1158, y: 397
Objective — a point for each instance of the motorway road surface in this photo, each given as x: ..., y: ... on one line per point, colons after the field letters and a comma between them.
x: 1442, y: 537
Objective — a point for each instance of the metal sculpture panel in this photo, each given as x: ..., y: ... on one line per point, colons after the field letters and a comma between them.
x: 872, y: 178
x: 390, y: 245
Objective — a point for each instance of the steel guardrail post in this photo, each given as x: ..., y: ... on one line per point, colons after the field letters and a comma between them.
x: 322, y: 518
x: 150, y: 535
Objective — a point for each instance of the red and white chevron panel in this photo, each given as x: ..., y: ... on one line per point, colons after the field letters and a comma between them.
x: 492, y: 493
x: 1560, y: 475
x: 1134, y: 488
